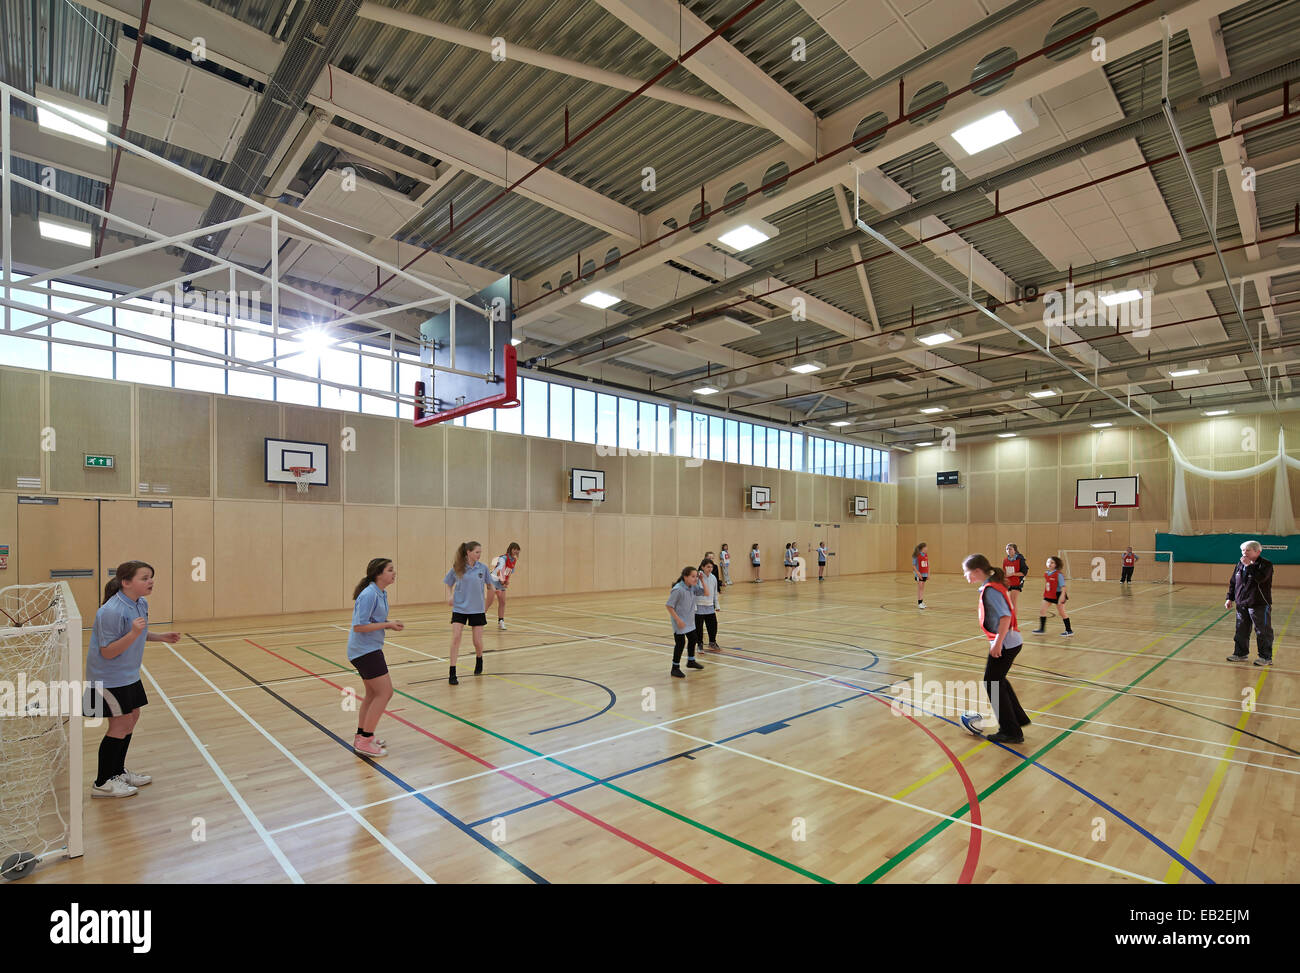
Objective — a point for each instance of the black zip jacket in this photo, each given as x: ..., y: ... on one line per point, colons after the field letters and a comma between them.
x: 1252, y: 584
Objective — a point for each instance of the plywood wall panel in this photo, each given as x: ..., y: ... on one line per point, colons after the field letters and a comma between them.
x: 247, y: 568
x: 192, y: 584
x: 313, y: 552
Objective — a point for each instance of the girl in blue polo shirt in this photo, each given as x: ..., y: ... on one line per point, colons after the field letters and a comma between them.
x: 113, y: 673
x: 469, y: 593
x: 681, y: 607
x: 366, y: 651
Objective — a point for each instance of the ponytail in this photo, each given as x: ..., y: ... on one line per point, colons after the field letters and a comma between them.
x: 917, y: 550
x: 374, y: 569
x: 685, y: 571
x: 462, y: 557
x: 125, y: 572
x: 978, y: 562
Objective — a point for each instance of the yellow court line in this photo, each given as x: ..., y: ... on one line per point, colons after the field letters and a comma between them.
x: 939, y: 772
x: 1193, y: 834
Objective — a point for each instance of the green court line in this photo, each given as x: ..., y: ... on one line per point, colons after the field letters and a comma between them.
x: 1024, y: 764
x: 596, y: 780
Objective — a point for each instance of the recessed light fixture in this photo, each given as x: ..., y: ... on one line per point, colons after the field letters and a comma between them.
x: 1218, y: 412
x: 1006, y: 435
x: 64, y: 231
x: 1101, y: 425
x: 986, y: 132
x: 930, y: 410
x: 1121, y: 297
x: 939, y: 337
x: 706, y: 390
x: 744, y: 237
x: 1184, y: 372
x: 842, y: 422
x: 925, y: 444
x: 600, y: 299
x: 93, y: 123
x: 804, y: 368
x: 1044, y: 393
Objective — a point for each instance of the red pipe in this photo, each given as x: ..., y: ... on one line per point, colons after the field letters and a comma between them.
x: 1068, y: 39
x: 623, y: 103
x: 126, y: 115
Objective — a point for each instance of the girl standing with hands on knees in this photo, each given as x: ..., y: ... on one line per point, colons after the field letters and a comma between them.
x: 998, y: 625
x: 681, y: 608
x: 366, y: 652
x: 113, y: 681
x: 467, y: 582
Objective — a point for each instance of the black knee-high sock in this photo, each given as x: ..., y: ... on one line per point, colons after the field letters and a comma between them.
x: 112, y: 756
x: 1067, y: 626
x: 126, y: 743
x: 1042, y: 621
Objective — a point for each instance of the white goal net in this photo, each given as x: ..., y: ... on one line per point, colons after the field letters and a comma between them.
x: 1097, y: 565
x: 40, y: 726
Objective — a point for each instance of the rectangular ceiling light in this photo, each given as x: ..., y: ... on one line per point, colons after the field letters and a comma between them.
x: 89, y: 131
x: 1044, y: 393
x: 706, y: 390
x: 1218, y: 412
x: 804, y: 368
x: 1120, y: 297
x: 743, y: 237
x: 845, y: 422
x: 74, y: 233
x: 1184, y: 372
x: 987, y: 132
x: 939, y: 337
x: 1006, y: 435
x: 930, y: 410
x: 925, y: 444
x: 600, y: 299
x: 1101, y: 425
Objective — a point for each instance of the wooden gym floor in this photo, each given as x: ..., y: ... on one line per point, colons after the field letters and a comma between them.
x: 577, y: 759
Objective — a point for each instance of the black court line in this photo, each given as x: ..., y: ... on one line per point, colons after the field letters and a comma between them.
x: 422, y: 798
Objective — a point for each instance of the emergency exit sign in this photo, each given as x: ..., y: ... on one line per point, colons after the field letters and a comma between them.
x: 99, y: 462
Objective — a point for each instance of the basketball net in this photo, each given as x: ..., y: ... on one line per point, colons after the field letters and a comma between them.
x: 300, y: 474
x: 597, y: 495
x: 1103, y: 508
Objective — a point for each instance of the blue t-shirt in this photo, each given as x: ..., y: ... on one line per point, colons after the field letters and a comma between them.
x: 995, y: 608
x: 821, y: 555
x: 682, y: 600
x: 753, y: 556
x: 112, y: 621
x: 467, y: 590
x: 371, y: 607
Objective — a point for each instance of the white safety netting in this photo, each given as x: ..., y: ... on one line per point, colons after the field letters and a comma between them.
x: 33, y: 723
x: 1282, y: 518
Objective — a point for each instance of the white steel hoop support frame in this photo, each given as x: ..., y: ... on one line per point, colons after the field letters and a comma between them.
x: 281, y: 227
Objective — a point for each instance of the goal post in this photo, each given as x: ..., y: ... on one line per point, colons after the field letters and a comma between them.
x: 1152, y: 567
x: 41, y: 757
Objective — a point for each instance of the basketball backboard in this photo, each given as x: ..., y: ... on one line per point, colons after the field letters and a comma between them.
x: 282, y: 455
x: 586, y: 484
x: 1116, y: 491
x: 759, y: 498
x: 468, y: 361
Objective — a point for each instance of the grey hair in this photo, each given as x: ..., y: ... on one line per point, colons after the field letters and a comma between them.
x: 1251, y: 546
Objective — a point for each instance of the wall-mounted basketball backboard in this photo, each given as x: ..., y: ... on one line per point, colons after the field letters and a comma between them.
x: 468, y: 361
x: 1113, y: 491
x: 285, y: 455
x: 759, y: 498
x: 860, y: 507
x: 586, y: 484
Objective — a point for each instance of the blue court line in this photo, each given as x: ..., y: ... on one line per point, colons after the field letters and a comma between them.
x: 689, y: 754
x: 423, y: 799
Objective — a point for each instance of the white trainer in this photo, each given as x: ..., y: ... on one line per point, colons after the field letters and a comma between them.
x: 501, y: 624
x: 113, y: 787
x: 137, y: 780
x: 920, y: 604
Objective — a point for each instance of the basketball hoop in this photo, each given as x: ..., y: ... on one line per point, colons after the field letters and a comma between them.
x: 1103, y: 508
x: 596, y: 495
x: 300, y: 474
x: 762, y: 504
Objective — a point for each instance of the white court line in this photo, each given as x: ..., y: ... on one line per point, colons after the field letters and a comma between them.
x: 347, y: 808
x: 238, y: 798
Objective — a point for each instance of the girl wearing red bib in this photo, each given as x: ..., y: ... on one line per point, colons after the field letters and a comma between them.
x: 502, y: 568
x: 1015, y: 567
x: 1054, y: 593
x: 920, y: 571
x: 1130, y: 562
x: 997, y: 624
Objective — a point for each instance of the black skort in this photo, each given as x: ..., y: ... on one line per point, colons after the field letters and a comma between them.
x: 372, y: 665
x: 115, y: 701
x: 477, y: 620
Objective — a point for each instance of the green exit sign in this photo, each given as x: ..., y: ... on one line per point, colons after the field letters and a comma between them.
x: 99, y: 462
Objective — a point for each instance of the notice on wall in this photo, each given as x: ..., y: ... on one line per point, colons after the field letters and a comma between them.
x: 4, y: 557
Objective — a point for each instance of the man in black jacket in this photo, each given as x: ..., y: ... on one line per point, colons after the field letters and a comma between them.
x: 1251, y: 588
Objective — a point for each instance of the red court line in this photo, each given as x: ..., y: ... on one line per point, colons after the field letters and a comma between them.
x: 973, y: 846
x: 663, y: 855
